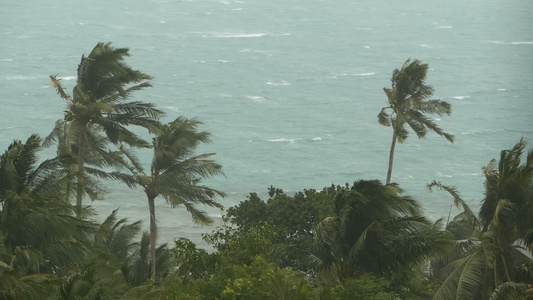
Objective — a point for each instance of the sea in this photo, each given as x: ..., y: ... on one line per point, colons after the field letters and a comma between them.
x: 289, y: 89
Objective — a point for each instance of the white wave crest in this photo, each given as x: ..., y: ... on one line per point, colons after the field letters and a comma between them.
x: 460, y: 97
x: 521, y: 43
x: 256, y: 98
x: 239, y: 35
x: 283, y: 82
x: 444, y: 175
x: 317, y: 138
x: 6, y: 59
x: 67, y: 78
x: 355, y: 74
x: 282, y: 140
x: 445, y: 27
x: 172, y: 108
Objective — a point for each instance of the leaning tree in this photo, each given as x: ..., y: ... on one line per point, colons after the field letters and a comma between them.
x: 409, y: 105
x: 99, y: 105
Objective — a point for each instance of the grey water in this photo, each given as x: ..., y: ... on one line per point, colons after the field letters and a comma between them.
x: 289, y: 89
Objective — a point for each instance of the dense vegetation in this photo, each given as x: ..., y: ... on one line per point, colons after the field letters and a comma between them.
x: 364, y: 240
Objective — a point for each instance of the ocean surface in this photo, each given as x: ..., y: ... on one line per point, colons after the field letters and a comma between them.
x: 289, y: 89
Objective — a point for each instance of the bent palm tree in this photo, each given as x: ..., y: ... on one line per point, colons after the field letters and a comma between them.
x: 408, y: 104
x: 175, y: 174
x: 98, y: 104
x: 375, y: 229
x: 36, y: 223
x: 495, y: 259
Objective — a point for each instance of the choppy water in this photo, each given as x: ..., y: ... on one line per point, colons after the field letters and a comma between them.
x: 290, y: 89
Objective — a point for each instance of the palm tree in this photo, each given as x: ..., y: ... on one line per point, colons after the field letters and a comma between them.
x: 97, y: 158
x: 408, y: 104
x: 98, y: 104
x: 175, y: 174
x: 495, y: 259
x: 375, y: 229
x: 116, y: 264
x: 38, y: 229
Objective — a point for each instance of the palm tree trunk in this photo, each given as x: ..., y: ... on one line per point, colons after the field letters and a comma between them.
x: 81, y: 169
x: 506, y: 269
x: 391, y: 158
x: 153, y: 235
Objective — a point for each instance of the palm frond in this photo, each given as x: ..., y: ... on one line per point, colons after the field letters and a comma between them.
x: 399, y: 131
x: 438, y: 107
x: 59, y: 88
x: 465, y: 281
x: 384, y: 117
x: 457, y: 200
x: 510, y: 291
x: 419, y: 117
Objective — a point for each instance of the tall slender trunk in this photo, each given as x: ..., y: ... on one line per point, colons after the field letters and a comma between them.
x: 153, y: 235
x: 81, y: 169
x: 505, y: 267
x: 391, y: 158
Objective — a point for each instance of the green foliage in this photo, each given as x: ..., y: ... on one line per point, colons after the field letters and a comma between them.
x: 191, y: 261
x: 375, y: 229
x: 37, y: 224
x: 493, y: 260
x: 366, y: 287
x: 294, y: 218
x: 259, y: 280
x: 238, y: 246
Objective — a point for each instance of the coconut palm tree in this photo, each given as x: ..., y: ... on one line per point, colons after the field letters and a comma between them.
x: 375, y: 229
x: 495, y: 258
x: 98, y: 158
x: 409, y: 105
x: 175, y: 174
x: 116, y: 264
x: 38, y: 230
x: 99, y: 104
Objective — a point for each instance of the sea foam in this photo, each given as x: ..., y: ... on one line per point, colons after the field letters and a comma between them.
x: 239, y: 35
x: 282, y: 140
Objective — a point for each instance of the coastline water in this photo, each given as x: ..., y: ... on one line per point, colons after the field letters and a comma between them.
x: 289, y: 90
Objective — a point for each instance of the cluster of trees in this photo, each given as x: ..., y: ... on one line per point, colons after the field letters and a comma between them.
x: 365, y: 240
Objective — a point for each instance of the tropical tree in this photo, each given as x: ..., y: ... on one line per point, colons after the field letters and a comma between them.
x: 175, y: 174
x: 495, y: 258
x: 375, y: 228
x: 40, y: 238
x: 97, y: 158
x: 409, y: 105
x: 37, y: 225
x: 116, y: 263
x: 99, y: 104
